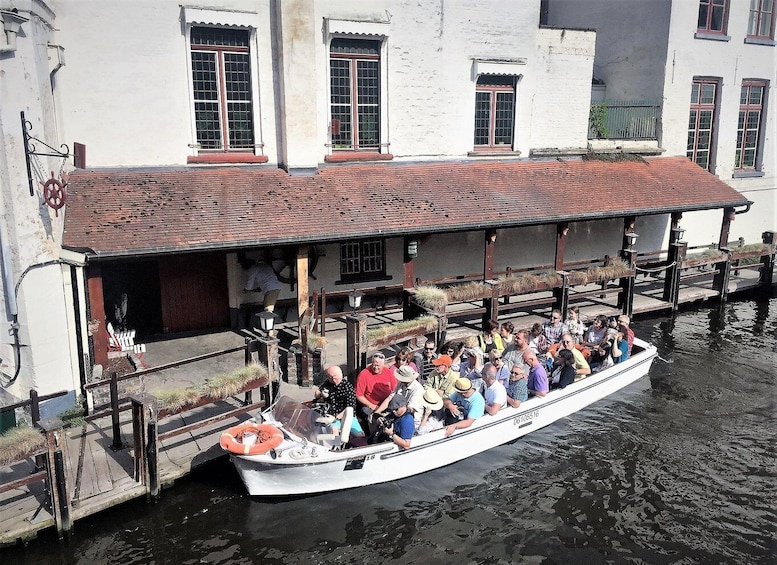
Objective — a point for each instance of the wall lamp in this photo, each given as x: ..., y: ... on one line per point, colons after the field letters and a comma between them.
x: 412, y: 248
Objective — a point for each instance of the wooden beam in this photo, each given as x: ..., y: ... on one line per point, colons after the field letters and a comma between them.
x: 96, y: 311
x: 561, y: 238
x: 303, y: 309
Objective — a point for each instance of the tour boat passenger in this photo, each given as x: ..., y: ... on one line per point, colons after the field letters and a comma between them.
x: 507, y: 332
x: 564, y: 371
x: 555, y: 328
x: 538, y: 378
x: 596, y: 332
x: 337, y: 394
x: 502, y: 372
x: 443, y: 379
x: 403, y: 357
x: 403, y: 428
x: 374, y: 384
x: 538, y: 343
x: 496, y: 395
x: 473, y: 370
x: 489, y: 338
x: 434, y: 414
x: 464, y: 406
x: 574, y: 325
x: 582, y: 368
x: 409, y: 387
x: 517, y: 390
x: 423, y: 360
x: 513, y: 355
x: 620, y: 347
x: 625, y: 321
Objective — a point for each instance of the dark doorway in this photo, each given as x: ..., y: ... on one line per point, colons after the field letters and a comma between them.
x: 141, y: 310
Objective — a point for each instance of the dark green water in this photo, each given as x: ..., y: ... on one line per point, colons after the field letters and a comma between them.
x: 678, y: 468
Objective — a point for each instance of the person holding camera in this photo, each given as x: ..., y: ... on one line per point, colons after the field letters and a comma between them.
x: 463, y: 407
x: 620, y: 345
x: 334, y: 396
x: 398, y: 425
x: 409, y: 387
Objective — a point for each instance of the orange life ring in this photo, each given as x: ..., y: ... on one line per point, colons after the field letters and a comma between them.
x: 267, y: 437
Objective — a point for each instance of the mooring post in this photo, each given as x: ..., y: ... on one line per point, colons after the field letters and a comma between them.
x: 722, y: 276
x: 677, y: 271
x: 626, y: 300
x: 267, y: 353
x: 117, y: 444
x: 356, y: 341
x: 35, y: 417
x: 767, y: 269
x: 56, y: 475
x: 145, y: 448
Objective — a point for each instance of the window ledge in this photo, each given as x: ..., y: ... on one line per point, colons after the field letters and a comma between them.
x: 361, y: 280
x: 711, y: 36
x: 495, y: 153
x: 355, y: 156
x: 760, y: 41
x: 217, y: 158
x: 747, y: 174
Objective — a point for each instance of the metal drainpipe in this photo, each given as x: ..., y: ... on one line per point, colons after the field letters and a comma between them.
x: 11, y: 308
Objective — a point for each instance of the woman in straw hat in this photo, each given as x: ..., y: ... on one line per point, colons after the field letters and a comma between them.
x: 433, y: 415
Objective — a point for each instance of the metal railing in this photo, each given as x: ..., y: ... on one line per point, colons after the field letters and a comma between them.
x: 624, y: 119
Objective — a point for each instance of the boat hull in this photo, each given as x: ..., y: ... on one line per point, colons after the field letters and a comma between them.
x: 317, y: 469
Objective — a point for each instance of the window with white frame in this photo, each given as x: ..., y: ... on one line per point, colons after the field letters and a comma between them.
x: 363, y: 260
x: 221, y: 86
x: 761, y: 22
x: 713, y: 16
x: 750, y: 125
x: 494, y: 112
x: 355, y: 94
x: 704, y: 94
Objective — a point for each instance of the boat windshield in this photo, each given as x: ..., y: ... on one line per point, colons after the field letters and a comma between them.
x: 297, y: 418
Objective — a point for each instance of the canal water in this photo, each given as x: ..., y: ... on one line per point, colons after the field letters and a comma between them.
x: 678, y: 468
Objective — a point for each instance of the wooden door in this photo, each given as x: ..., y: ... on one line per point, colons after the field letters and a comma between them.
x: 194, y: 292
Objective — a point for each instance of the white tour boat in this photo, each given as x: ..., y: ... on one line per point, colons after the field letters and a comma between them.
x: 296, y: 456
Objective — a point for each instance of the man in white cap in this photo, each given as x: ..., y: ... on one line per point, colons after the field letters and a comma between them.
x: 464, y: 406
x: 409, y: 387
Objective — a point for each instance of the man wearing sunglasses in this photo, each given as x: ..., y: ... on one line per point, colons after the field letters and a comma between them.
x: 423, y: 360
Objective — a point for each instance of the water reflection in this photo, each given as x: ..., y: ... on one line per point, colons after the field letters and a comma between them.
x: 679, y: 468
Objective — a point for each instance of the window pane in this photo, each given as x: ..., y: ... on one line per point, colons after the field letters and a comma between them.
x: 707, y: 93
x: 503, y: 126
x: 372, y: 258
x: 695, y: 93
x: 756, y: 95
x: 482, y: 117
x: 204, y: 76
x: 208, y: 120
x: 702, y: 23
x: 340, y: 96
x: 220, y: 36
x: 368, y: 100
x: 349, y: 259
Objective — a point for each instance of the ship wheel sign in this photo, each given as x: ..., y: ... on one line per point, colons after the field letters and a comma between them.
x: 54, y: 193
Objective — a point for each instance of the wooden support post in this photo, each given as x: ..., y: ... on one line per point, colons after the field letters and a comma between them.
x: 488, y: 254
x: 491, y: 304
x: 626, y: 297
x: 410, y: 253
x: 722, y: 276
x: 94, y: 284
x: 766, y: 277
x: 117, y: 444
x: 562, y: 229
x: 303, y: 309
x: 248, y: 359
x: 267, y: 349
x: 146, y: 449
x: 323, y: 312
x: 34, y: 406
x: 442, y: 330
x: 725, y: 227
x: 674, y: 273
x: 56, y: 474
x: 561, y: 295
x: 356, y: 341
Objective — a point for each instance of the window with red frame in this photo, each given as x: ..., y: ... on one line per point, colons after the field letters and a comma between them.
x: 761, y: 24
x: 221, y: 83
x: 751, y: 113
x: 494, y: 112
x: 701, y: 122
x: 354, y: 75
x: 712, y: 16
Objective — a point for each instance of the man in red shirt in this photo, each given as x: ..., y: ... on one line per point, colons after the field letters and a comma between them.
x: 374, y: 384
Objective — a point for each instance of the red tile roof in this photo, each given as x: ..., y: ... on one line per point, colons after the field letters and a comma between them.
x: 137, y: 212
